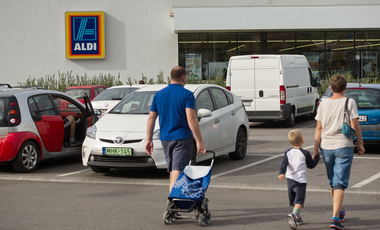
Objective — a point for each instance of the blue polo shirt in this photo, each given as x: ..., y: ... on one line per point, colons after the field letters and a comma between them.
x: 170, y: 103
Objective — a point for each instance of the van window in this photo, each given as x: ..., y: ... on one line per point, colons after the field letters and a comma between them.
x: 313, y: 82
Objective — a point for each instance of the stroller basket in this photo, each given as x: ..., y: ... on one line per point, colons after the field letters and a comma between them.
x: 188, y: 194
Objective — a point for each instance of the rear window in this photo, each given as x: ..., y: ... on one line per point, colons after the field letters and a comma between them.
x: 78, y: 93
x: 364, y: 97
x: 114, y: 94
x: 3, y: 109
x: 327, y: 92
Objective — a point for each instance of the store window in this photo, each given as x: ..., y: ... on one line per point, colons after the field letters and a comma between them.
x: 248, y: 43
x: 340, y: 57
x: 284, y: 43
x: 367, y: 46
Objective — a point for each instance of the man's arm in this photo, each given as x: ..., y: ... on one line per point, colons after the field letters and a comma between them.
x: 192, y: 120
x: 149, y: 132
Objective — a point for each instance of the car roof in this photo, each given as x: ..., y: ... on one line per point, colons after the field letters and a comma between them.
x: 127, y: 86
x: 190, y: 87
x: 357, y: 85
x: 85, y: 86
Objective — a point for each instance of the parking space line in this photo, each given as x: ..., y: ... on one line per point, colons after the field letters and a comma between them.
x: 253, y: 164
x: 76, y: 172
x: 369, y: 180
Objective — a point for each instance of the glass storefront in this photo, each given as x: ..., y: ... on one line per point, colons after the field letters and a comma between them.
x: 206, y: 55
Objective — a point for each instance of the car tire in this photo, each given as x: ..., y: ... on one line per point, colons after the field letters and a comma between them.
x: 240, y: 145
x: 28, y: 158
x: 291, y: 120
x: 100, y: 170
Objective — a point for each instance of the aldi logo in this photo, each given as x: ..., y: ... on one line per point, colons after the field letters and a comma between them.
x: 85, y: 35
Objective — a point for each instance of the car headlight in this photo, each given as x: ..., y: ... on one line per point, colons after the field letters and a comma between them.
x: 91, y: 132
x: 156, y: 135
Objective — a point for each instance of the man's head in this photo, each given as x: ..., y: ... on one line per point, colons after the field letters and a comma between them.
x: 178, y: 75
x: 338, y: 83
x: 295, y: 137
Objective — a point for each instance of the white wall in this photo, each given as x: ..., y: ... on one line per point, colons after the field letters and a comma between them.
x: 140, y: 35
x: 140, y: 38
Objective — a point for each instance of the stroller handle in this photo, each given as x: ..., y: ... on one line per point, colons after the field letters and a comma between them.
x: 212, y: 159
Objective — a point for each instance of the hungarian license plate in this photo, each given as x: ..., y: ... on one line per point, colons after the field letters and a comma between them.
x: 362, y: 118
x: 118, y: 151
x: 246, y: 103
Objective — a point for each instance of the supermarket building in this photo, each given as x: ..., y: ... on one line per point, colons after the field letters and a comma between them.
x: 145, y: 37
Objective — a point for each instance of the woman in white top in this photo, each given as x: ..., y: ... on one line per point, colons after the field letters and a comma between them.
x: 337, y: 149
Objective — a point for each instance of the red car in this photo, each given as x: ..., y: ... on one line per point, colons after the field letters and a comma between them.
x: 77, y: 92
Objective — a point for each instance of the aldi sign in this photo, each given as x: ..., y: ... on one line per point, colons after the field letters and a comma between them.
x: 85, y: 35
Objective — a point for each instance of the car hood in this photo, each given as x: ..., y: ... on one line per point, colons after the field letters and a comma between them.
x: 106, y: 104
x: 121, y: 123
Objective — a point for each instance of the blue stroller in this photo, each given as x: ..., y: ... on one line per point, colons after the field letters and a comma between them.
x: 188, y: 194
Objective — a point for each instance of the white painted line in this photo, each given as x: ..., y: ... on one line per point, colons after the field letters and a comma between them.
x: 246, y: 166
x: 253, y: 164
x: 68, y: 174
x: 313, y: 125
x: 368, y: 158
x: 369, y: 180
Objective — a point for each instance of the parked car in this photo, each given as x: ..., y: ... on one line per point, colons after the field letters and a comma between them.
x: 92, y: 91
x: 110, y: 97
x: 367, y: 97
x: 118, y: 139
x: 32, y: 126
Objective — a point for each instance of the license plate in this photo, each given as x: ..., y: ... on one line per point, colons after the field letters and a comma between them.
x: 71, y: 106
x: 246, y: 103
x: 117, y: 151
x: 362, y: 118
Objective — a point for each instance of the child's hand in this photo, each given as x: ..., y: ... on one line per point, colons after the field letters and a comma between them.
x: 281, y: 176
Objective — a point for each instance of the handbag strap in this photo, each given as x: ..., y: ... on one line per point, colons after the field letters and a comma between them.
x: 345, y: 111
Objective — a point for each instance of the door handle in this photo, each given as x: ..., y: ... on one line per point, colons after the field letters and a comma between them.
x: 261, y: 93
x: 216, y: 121
x: 233, y: 113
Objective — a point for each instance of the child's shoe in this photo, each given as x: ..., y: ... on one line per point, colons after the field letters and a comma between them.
x: 336, y: 224
x: 292, y: 221
x: 341, y: 215
x: 299, y: 220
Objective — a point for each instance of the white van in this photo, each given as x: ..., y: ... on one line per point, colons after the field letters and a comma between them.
x: 273, y: 87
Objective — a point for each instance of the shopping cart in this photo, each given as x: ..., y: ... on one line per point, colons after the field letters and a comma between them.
x: 188, y: 194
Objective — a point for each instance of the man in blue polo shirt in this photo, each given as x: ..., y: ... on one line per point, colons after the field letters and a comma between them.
x: 175, y: 107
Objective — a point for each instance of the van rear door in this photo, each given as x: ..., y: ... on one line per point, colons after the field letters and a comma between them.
x: 243, y: 81
x: 267, y: 85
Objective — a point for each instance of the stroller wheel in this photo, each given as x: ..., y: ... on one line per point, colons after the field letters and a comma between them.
x: 167, y: 218
x: 204, y: 205
x: 202, y: 220
x: 208, y: 218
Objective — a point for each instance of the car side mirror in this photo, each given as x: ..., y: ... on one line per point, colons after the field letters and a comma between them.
x: 203, y: 113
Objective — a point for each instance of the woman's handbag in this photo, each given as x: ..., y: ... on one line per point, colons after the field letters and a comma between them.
x: 347, y: 130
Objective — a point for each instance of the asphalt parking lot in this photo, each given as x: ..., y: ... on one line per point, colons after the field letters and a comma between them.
x: 244, y: 194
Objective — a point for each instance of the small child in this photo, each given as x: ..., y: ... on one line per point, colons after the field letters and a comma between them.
x: 296, y: 161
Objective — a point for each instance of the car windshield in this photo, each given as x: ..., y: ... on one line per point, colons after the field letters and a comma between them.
x: 135, y: 103
x: 114, y: 94
x: 364, y: 97
x: 78, y: 93
x: 327, y: 92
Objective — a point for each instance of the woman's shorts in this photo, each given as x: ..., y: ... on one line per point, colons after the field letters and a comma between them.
x: 178, y: 153
x: 338, y: 166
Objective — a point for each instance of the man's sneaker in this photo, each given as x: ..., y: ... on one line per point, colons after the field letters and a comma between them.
x: 342, y: 214
x: 291, y: 221
x: 299, y: 220
x: 336, y: 224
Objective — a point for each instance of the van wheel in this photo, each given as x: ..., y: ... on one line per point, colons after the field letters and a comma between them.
x: 27, y: 157
x: 240, y: 146
x: 100, y: 170
x: 291, y: 120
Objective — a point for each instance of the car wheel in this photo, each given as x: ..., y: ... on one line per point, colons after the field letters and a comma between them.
x: 27, y: 157
x: 100, y: 170
x: 240, y: 145
x: 291, y: 120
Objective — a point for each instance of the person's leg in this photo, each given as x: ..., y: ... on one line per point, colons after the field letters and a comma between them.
x: 173, y: 178
x: 71, y: 119
x: 337, y: 202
